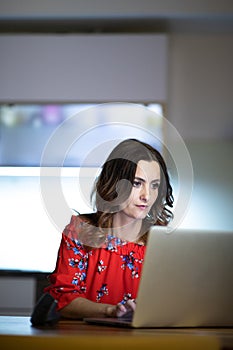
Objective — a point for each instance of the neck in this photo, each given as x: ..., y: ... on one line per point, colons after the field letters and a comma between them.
x: 126, y: 229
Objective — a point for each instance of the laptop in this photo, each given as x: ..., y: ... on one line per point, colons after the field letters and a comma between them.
x: 187, y: 281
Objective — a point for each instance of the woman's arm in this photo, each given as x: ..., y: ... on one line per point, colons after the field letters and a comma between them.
x: 81, y: 307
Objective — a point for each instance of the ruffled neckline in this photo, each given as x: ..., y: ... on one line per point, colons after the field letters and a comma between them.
x: 112, y: 243
x: 114, y: 240
x: 120, y: 246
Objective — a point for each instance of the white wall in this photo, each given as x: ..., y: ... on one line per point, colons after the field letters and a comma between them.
x: 200, y: 105
x: 79, y: 68
x: 17, y: 295
x: 201, y: 85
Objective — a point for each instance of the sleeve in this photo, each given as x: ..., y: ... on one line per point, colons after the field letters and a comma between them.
x: 68, y: 281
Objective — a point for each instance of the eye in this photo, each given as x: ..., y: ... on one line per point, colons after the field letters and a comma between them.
x: 155, y: 185
x: 136, y: 183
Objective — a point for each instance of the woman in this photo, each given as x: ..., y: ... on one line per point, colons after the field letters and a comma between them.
x: 101, y: 254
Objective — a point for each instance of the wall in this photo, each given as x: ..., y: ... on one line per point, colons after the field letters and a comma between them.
x: 201, y: 85
x: 110, y: 9
x: 201, y: 108
x: 17, y: 295
x: 79, y: 68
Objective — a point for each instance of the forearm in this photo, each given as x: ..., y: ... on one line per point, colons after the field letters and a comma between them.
x: 81, y: 307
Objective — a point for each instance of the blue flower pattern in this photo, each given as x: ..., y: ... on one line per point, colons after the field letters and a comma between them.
x: 113, y: 242
x: 80, y: 263
x: 126, y: 297
x: 129, y: 262
x: 101, y: 267
x: 101, y: 292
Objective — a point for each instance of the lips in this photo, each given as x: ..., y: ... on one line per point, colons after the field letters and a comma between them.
x: 142, y: 207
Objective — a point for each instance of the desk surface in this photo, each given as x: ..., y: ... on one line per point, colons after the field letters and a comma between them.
x: 66, y: 334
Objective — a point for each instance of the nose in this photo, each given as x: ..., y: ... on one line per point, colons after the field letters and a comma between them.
x: 145, y: 193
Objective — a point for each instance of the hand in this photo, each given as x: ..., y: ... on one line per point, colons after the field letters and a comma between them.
x: 120, y: 310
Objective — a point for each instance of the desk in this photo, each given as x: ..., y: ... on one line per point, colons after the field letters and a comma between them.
x: 18, y: 332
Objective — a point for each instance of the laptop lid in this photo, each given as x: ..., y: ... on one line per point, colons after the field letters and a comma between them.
x: 187, y: 279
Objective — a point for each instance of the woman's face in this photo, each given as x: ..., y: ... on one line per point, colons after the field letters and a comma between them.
x: 144, y: 192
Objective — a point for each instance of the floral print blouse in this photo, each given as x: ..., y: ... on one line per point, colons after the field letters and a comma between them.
x: 109, y: 274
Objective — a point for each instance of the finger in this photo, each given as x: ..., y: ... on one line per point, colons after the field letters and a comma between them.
x: 121, y: 307
x: 120, y: 310
x: 131, y: 304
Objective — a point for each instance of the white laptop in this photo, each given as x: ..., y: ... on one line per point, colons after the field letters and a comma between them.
x: 187, y: 281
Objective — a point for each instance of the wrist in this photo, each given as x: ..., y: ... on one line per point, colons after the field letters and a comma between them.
x: 110, y: 311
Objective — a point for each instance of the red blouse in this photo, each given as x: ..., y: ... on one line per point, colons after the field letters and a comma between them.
x: 109, y: 274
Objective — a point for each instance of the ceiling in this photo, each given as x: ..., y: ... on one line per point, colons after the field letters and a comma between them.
x: 115, y: 16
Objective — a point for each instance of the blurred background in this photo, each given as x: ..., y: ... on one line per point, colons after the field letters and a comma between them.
x: 58, y: 58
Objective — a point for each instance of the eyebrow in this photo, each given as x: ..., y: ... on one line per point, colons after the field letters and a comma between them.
x: 143, y: 180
